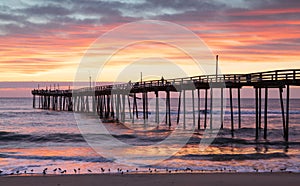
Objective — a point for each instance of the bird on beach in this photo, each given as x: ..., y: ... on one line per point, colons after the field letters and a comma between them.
x: 1, y: 171
x: 256, y: 170
x: 44, y: 172
x: 78, y: 170
x: 17, y: 172
x: 89, y: 170
x: 108, y: 170
x: 63, y: 172
x: 75, y: 171
x: 54, y: 170
x: 283, y: 169
x: 31, y: 171
x: 25, y: 172
x: 136, y: 169
x: 102, y: 170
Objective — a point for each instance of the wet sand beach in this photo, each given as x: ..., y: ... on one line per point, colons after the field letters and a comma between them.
x: 190, y: 179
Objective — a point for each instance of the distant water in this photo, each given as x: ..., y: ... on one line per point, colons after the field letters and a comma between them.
x: 35, y: 139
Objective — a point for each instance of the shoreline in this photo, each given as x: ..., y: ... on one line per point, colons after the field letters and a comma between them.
x: 146, y: 179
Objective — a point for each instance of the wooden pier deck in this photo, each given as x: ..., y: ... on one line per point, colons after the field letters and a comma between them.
x: 109, y: 101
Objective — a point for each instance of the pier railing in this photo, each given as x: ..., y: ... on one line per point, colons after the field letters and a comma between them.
x: 246, y: 79
x: 292, y: 75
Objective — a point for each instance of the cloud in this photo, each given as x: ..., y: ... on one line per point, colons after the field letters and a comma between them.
x: 41, y: 35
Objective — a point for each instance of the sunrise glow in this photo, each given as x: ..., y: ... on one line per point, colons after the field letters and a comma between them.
x: 46, y: 41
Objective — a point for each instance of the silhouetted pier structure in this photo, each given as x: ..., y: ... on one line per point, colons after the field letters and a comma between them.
x: 109, y: 101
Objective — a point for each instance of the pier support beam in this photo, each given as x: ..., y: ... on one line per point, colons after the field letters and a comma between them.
x: 239, y: 107
x: 260, y: 108
x: 184, y: 110
x: 222, y: 108
x: 256, y: 114
x: 193, y: 105
x: 287, y: 112
x: 123, y: 108
x: 199, y: 97
x: 112, y: 101
x: 156, y: 108
x: 231, y: 111
x: 179, y: 105
x: 129, y: 107
x: 33, y: 101
x: 282, y: 110
x: 169, y: 107
x: 135, y: 108
x: 205, y: 109
x: 266, y: 113
x: 211, y: 109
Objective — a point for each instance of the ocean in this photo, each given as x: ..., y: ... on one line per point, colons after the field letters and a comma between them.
x: 34, y: 139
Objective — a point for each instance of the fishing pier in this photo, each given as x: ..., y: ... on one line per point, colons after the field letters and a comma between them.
x: 113, y: 101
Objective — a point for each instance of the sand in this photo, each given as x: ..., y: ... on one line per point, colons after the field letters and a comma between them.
x: 244, y: 179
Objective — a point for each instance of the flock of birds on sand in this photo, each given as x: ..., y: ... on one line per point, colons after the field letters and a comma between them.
x: 121, y: 171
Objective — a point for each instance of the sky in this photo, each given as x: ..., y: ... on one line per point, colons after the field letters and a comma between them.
x: 45, y: 40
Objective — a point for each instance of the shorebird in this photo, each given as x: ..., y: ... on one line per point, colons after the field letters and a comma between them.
x: 102, y: 170
x: 25, y: 172
x: 17, y: 172
x: 136, y: 169
x: 89, y: 170
x: 31, y: 170
x: 64, y: 171
x: 108, y: 170
x: 75, y: 171
x: 1, y: 171
x: 283, y: 169
x: 78, y: 170
x: 44, y: 172
x: 256, y: 170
